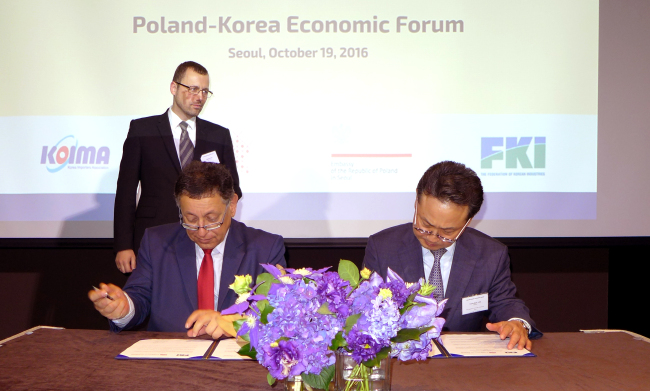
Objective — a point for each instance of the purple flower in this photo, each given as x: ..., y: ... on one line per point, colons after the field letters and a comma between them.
x: 334, y: 290
x: 283, y: 360
x: 364, y: 347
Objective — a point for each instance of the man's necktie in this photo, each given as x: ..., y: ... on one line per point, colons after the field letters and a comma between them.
x: 206, y: 282
x: 186, y: 149
x: 435, y: 277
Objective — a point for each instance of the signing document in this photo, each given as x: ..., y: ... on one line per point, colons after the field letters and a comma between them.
x: 185, y: 349
x: 474, y: 345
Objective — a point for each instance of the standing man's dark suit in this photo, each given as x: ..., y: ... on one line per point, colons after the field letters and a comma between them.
x: 150, y: 157
x: 164, y: 285
x: 480, y: 264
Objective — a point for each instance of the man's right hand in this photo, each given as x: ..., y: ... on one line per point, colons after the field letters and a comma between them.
x: 125, y: 260
x: 112, y: 309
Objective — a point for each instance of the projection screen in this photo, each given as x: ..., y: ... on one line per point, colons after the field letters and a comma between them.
x: 335, y: 108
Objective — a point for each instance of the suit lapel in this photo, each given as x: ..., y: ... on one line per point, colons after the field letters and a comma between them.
x: 186, y: 258
x: 462, y: 268
x: 200, y: 140
x: 410, y: 256
x: 232, y: 259
x: 168, y: 139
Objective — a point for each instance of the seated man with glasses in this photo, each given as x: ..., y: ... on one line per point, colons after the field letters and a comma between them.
x: 184, y: 269
x: 156, y: 150
x: 467, y: 267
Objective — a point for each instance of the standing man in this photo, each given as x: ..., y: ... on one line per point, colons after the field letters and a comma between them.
x: 155, y: 152
x: 467, y: 267
x: 185, y: 268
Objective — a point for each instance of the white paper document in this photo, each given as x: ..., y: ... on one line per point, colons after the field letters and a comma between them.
x: 185, y: 349
x: 476, y: 345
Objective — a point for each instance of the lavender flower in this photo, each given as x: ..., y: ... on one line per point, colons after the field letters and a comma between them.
x: 364, y: 347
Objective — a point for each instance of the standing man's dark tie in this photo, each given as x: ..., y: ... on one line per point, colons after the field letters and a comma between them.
x: 205, y: 284
x: 186, y: 149
x: 435, y: 277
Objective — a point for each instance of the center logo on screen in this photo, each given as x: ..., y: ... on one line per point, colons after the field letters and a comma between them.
x: 513, y: 152
x: 68, y: 153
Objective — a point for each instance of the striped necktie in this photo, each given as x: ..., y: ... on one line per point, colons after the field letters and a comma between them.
x: 435, y: 277
x: 186, y: 149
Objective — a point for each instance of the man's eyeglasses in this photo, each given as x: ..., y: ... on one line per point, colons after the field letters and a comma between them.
x: 425, y: 232
x: 207, y: 227
x: 194, y: 90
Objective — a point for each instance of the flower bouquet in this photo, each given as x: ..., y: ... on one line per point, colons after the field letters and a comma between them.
x: 296, y: 321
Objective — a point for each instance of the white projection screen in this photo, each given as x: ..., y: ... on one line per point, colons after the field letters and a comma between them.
x: 335, y: 108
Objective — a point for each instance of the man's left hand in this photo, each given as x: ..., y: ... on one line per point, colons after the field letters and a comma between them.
x: 513, y: 329
x: 204, y: 322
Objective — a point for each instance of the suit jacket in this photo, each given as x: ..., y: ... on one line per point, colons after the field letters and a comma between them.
x: 150, y: 157
x: 481, y: 264
x: 164, y: 285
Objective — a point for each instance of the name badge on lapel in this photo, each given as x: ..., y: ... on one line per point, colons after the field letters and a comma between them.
x: 210, y: 157
x: 475, y: 303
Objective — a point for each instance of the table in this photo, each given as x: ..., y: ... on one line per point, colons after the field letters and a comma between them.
x: 84, y: 360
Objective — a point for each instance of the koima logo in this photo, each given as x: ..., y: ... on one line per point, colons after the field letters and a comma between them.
x: 68, y: 152
x: 516, y: 151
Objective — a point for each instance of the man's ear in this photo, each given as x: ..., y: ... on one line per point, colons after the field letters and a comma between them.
x: 173, y: 88
x: 233, y: 204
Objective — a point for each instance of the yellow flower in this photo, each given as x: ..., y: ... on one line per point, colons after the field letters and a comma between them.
x: 426, y: 289
x: 274, y: 344
x: 385, y: 293
x: 241, y: 284
x: 365, y: 273
x: 302, y: 272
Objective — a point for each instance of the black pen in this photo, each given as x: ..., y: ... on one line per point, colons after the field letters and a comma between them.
x: 107, y: 295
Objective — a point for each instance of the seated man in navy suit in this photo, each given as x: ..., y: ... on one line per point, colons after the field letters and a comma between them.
x: 469, y: 268
x: 184, y: 269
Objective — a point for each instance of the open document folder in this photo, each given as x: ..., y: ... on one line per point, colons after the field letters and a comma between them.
x: 185, y: 349
x: 474, y: 345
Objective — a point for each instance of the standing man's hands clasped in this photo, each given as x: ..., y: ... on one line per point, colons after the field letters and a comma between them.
x: 513, y: 329
x: 112, y: 309
x: 125, y: 260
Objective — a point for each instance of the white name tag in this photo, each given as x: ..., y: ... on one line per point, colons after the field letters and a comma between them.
x: 210, y: 157
x: 475, y: 303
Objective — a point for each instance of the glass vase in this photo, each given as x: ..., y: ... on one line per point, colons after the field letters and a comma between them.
x: 351, y: 376
x: 295, y: 383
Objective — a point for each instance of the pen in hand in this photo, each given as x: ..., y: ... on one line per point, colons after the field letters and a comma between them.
x: 107, y: 295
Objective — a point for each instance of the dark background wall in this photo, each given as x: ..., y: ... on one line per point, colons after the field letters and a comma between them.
x: 568, y: 284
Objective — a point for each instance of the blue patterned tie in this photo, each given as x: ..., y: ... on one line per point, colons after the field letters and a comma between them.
x: 435, y: 277
x: 186, y: 149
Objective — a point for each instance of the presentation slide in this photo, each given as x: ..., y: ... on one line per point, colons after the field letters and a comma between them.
x: 335, y: 108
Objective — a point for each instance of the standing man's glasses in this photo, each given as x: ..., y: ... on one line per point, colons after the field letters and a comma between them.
x: 194, y: 90
x: 425, y: 232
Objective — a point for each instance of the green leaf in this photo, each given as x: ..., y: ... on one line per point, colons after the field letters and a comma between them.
x: 348, y: 271
x: 267, y: 279
x: 261, y: 304
x: 248, y: 351
x: 351, y: 321
x: 265, y: 312
x: 270, y: 379
x: 382, y: 354
x: 322, y: 380
x: 338, y: 341
x: 237, y: 324
x: 325, y: 309
x: 410, y: 334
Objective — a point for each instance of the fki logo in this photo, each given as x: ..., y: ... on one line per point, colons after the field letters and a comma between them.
x: 67, y: 151
x: 516, y: 152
